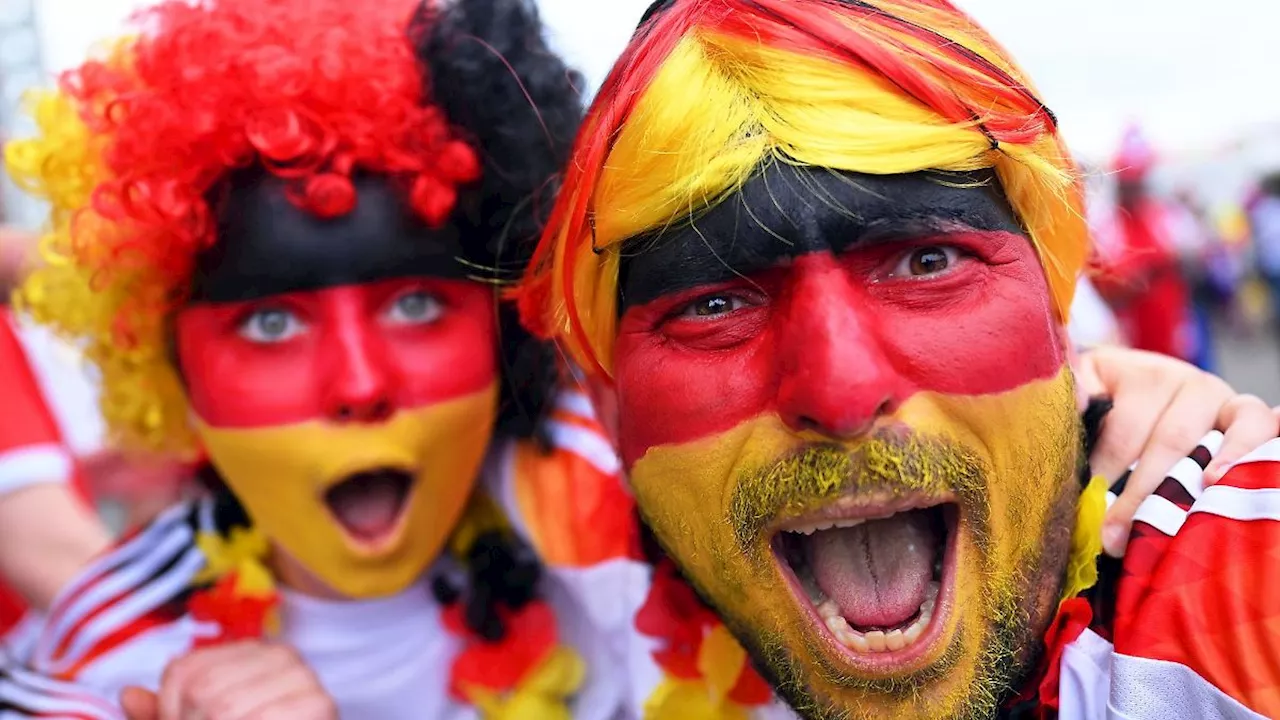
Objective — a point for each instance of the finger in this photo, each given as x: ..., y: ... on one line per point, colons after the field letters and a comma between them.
x: 139, y: 704
x: 1125, y: 432
x: 1176, y: 433
x: 1246, y: 422
x: 254, y: 700
x: 264, y: 664
x: 183, y: 677
x: 303, y: 706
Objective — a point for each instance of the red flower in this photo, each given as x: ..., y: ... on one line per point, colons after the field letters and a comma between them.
x: 238, y: 617
x: 751, y: 689
x: 530, y: 636
x: 673, y: 613
x: 1073, y: 618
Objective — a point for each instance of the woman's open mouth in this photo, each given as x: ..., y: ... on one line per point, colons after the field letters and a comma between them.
x: 370, y: 504
x: 879, y: 584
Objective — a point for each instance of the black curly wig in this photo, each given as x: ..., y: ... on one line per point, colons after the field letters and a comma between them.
x: 488, y: 67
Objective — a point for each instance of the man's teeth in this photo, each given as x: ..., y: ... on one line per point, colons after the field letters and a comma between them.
x: 879, y: 640
x: 811, y: 529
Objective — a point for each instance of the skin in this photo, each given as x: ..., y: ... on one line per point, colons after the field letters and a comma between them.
x: 1163, y: 407
x: 759, y: 333
x: 250, y: 680
x: 332, y: 366
x: 47, y: 535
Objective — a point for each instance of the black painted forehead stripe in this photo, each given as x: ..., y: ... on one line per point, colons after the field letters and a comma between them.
x: 267, y: 246
x: 785, y: 211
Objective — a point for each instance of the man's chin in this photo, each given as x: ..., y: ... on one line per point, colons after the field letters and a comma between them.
x: 926, y: 663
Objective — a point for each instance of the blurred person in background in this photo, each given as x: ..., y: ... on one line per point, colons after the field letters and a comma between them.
x: 48, y: 530
x: 1263, y: 210
x: 1141, y: 276
x: 1206, y: 268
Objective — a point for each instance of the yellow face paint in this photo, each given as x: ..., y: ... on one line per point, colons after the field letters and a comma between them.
x: 1012, y: 469
x: 280, y: 475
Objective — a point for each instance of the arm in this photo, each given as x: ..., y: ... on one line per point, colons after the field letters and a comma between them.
x: 25, y: 694
x: 1162, y: 408
x: 46, y: 532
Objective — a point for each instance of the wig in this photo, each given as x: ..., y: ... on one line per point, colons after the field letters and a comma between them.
x: 515, y: 101
x: 709, y: 91
x: 135, y: 144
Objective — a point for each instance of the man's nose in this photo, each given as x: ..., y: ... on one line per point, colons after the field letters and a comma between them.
x: 836, y: 380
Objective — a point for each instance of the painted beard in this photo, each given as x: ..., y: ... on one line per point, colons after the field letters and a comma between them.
x: 908, y: 574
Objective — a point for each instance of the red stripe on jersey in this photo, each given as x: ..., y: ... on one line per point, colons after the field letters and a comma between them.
x: 1206, y: 600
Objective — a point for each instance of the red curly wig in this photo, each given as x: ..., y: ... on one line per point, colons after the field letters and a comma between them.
x: 134, y: 143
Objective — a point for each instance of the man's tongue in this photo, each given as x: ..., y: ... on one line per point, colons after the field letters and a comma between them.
x: 367, y: 508
x: 877, y: 572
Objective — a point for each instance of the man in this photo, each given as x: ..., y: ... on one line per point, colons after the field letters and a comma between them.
x: 278, y: 227
x: 48, y: 431
x: 816, y: 259
x: 1142, y: 271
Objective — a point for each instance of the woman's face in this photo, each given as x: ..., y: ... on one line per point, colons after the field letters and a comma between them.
x: 343, y: 380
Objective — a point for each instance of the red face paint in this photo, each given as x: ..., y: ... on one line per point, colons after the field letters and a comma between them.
x: 832, y: 342
x: 345, y: 353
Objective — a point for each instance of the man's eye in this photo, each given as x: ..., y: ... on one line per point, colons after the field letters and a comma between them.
x: 271, y: 325
x: 414, y: 308
x: 713, y: 305
x: 926, y: 261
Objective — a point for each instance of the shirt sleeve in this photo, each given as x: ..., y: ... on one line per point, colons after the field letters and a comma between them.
x: 26, y: 694
x: 31, y: 446
x: 1197, y: 624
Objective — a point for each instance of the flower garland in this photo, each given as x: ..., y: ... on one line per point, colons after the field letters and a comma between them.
x: 525, y: 673
x: 706, y: 675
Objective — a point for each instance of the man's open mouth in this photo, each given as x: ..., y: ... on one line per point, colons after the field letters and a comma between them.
x: 369, y: 505
x: 878, y: 583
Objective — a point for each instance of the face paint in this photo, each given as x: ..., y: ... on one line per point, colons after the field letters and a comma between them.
x: 872, y: 401
x: 349, y: 414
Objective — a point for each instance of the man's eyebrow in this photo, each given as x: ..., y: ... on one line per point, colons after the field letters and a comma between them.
x: 776, y: 216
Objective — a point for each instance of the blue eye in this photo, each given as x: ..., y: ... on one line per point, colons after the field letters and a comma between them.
x: 271, y: 325
x: 415, y: 308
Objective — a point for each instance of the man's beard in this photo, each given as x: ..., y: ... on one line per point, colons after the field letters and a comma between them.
x: 1017, y: 602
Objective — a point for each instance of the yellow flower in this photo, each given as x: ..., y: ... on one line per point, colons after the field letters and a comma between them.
x: 481, y: 516
x: 240, y: 553
x: 721, y: 661
x: 1086, y: 539
x: 542, y: 695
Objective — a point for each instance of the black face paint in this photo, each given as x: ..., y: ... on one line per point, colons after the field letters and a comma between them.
x: 266, y: 245
x: 787, y: 211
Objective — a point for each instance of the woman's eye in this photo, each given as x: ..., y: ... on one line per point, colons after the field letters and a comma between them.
x: 713, y: 305
x: 926, y: 261
x: 271, y: 325
x: 414, y: 308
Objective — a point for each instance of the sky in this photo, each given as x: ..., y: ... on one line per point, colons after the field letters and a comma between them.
x: 1194, y: 74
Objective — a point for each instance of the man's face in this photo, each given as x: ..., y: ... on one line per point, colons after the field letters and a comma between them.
x: 845, y: 412
x: 343, y: 379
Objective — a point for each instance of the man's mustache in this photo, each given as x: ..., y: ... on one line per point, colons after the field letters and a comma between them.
x: 890, y: 461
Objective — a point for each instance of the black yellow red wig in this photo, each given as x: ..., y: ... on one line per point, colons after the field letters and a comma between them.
x: 711, y: 90
x: 134, y: 143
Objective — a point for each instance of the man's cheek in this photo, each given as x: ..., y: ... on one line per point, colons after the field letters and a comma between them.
x: 670, y: 395
x: 994, y: 350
